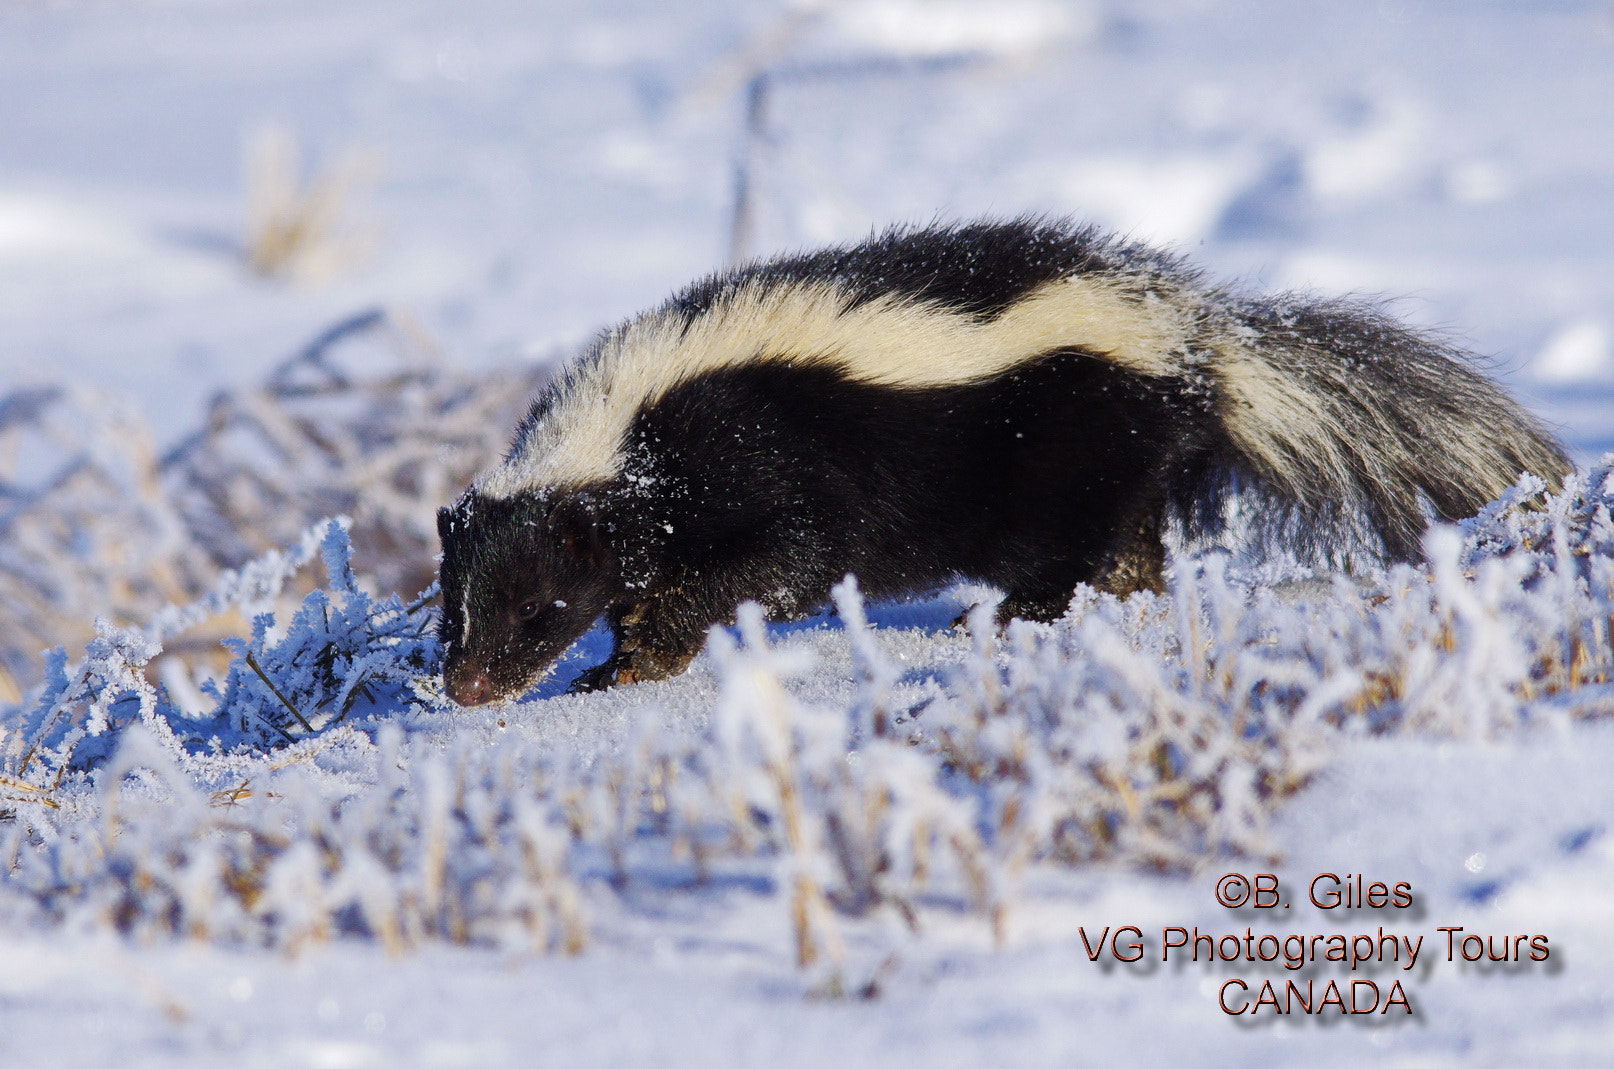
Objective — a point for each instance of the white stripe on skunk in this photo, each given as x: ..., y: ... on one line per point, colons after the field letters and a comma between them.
x: 888, y: 341
x: 1023, y: 403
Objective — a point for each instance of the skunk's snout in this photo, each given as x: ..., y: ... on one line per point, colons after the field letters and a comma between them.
x: 467, y: 684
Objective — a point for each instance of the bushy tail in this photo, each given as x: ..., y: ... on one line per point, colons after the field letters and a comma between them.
x: 1357, y: 424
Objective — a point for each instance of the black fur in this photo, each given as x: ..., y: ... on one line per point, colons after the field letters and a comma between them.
x: 755, y: 495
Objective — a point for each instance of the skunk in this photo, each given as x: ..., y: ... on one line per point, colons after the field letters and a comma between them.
x: 1025, y: 403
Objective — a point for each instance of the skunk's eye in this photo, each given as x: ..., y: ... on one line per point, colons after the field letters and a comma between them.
x: 528, y: 610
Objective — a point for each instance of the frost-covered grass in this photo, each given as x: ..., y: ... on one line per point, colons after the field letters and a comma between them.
x: 855, y: 789
x: 95, y: 521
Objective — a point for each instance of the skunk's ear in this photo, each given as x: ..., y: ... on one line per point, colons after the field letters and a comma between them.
x: 445, y: 519
x: 578, y: 532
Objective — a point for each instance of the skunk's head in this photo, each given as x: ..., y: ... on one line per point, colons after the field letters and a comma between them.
x: 522, y: 578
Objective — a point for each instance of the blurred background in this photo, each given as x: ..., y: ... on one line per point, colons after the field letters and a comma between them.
x: 263, y: 260
x: 517, y: 175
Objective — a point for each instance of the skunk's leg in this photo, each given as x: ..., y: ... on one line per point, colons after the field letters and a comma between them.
x: 1138, y: 563
x: 653, y: 642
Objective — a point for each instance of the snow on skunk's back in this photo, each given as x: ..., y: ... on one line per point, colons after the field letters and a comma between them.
x: 1022, y: 403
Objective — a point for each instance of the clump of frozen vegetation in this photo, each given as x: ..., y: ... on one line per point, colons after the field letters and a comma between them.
x: 96, y: 521
x: 329, y: 790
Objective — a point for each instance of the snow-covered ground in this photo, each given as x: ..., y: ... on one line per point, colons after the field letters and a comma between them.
x: 545, y: 169
x: 710, y: 984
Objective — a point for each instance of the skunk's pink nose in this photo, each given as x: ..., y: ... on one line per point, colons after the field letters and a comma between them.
x: 470, y: 688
